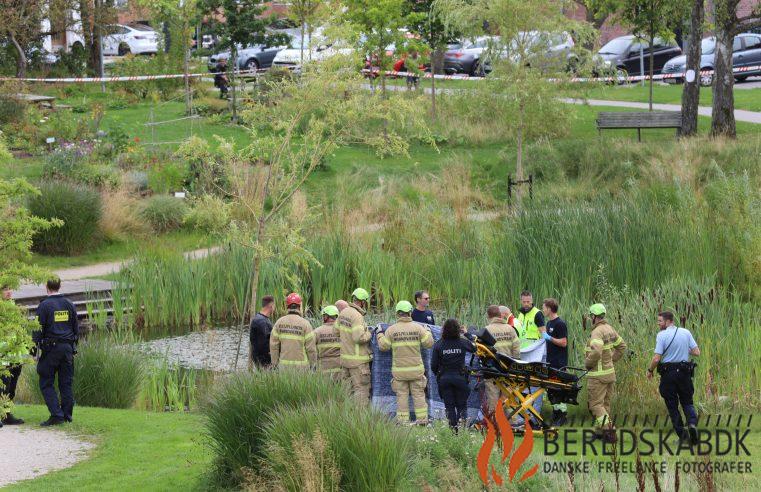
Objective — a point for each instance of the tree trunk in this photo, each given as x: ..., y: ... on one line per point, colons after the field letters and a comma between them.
x: 723, y: 114
x: 650, y: 99
x: 437, y: 58
x: 723, y: 111
x: 186, y: 67
x: 691, y: 89
x: 252, y: 304
x: 301, y: 48
x: 231, y: 63
x: 433, y: 94
x: 519, y: 153
x: 21, y: 59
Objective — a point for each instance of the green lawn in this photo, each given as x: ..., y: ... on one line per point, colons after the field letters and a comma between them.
x: 135, y: 451
x: 177, y: 241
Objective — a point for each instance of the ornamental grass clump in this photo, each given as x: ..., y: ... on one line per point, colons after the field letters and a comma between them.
x: 237, y: 412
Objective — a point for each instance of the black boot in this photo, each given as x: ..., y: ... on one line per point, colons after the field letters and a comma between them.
x: 11, y: 420
x: 52, y: 421
x: 693, y: 431
x: 560, y: 419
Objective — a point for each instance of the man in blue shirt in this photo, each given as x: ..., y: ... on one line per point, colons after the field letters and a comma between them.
x: 421, y: 313
x: 57, y: 339
x: 673, y: 348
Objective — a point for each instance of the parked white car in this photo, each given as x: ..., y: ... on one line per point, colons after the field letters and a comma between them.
x: 136, y: 39
x: 316, y: 49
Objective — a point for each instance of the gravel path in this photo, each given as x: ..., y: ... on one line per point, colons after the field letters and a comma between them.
x: 30, y: 452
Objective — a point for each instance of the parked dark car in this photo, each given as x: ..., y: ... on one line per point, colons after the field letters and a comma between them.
x: 746, y: 52
x: 465, y: 57
x: 251, y: 58
x: 623, y: 54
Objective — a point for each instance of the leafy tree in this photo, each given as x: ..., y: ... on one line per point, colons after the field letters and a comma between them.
x: 728, y: 25
x: 180, y: 15
x: 522, y: 88
x: 307, y: 13
x: 379, y: 24
x: 294, y: 129
x: 649, y: 19
x: 425, y: 19
x: 96, y: 17
x: 17, y: 227
x: 691, y: 89
x: 239, y: 23
x: 22, y: 25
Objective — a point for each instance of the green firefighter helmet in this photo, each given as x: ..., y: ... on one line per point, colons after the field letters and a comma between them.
x: 360, y: 294
x: 597, y: 309
x: 404, y: 307
x: 331, y: 311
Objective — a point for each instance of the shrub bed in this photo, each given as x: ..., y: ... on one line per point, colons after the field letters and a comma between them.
x: 80, y: 209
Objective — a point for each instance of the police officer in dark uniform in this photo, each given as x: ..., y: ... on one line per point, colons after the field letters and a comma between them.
x: 448, y: 364
x: 673, y: 348
x: 57, y: 341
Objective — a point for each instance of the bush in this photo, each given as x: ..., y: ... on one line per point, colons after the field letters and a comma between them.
x: 121, y: 218
x: 209, y: 214
x: 12, y: 110
x: 164, y: 213
x: 167, y: 176
x: 238, y: 411
x: 106, y: 375
x: 369, y: 451
x: 79, y: 208
x: 5, y: 153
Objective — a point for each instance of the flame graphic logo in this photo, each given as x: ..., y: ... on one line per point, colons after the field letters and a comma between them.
x: 518, y: 458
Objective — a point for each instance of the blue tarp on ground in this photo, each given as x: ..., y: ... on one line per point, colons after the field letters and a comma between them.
x: 385, y: 399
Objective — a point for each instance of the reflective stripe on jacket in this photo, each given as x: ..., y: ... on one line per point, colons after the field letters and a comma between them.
x: 507, y: 340
x: 292, y: 342
x: 405, y: 338
x: 355, y: 337
x: 603, y: 349
x: 327, y: 338
x: 528, y: 322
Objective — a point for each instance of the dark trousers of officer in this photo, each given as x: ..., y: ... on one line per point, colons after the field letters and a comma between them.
x: 59, y: 360
x: 8, y: 383
x: 454, y: 390
x: 676, y: 388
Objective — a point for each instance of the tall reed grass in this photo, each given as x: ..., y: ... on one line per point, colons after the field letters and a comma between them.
x: 371, y: 453
x: 237, y: 412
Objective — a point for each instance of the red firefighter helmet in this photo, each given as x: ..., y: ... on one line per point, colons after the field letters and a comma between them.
x: 293, y: 298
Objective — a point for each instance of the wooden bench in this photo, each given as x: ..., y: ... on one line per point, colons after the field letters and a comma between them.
x: 650, y: 119
x: 48, y: 101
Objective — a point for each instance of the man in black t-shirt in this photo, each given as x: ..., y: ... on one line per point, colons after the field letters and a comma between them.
x: 556, y: 335
x: 421, y: 313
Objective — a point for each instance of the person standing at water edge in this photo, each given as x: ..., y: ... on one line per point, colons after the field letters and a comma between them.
x: 356, y: 354
x: 507, y: 342
x: 57, y: 340
x: 341, y: 305
x: 604, y: 348
x: 404, y: 339
x: 531, y: 319
x: 8, y: 383
x: 421, y: 313
x: 448, y: 364
x: 328, y: 341
x: 292, y: 340
x: 259, y: 335
x: 673, y: 348
x: 556, y: 337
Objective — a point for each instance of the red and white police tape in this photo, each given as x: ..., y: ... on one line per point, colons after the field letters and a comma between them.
x: 137, y: 78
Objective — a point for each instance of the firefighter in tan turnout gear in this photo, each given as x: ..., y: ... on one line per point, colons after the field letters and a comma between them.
x: 328, y: 341
x: 292, y: 339
x: 507, y: 342
x: 405, y: 338
x: 604, y: 348
x: 356, y: 354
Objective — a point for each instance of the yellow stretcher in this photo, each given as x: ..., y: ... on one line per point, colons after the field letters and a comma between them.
x: 522, y: 383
